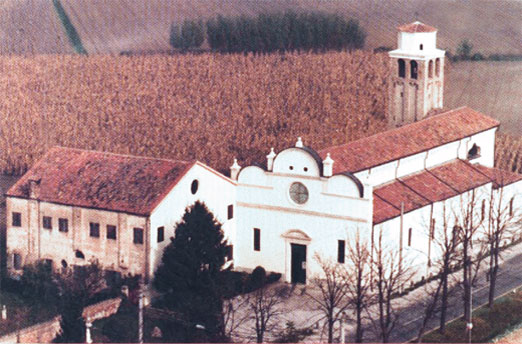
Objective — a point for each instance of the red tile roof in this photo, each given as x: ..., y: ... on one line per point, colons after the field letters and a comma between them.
x: 416, y: 27
x: 408, y: 140
x: 102, y: 180
x: 499, y: 177
x: 433, y: 185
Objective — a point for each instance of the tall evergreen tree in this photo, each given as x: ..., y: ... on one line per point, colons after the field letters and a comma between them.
x: 191, y: 269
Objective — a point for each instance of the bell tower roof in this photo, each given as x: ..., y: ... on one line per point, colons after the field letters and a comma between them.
x: 415, y: 27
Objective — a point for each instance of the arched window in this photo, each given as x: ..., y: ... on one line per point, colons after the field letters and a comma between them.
x: 421, y: 47
x: 474, y: 152
x: 402, y: 68
x: 437, y: 67
x: 430, y: 69
x: 414, y: 69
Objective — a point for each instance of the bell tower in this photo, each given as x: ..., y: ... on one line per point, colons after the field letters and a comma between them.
x: 417, y: 74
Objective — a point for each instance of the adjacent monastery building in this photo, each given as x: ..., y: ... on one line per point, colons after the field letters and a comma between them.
x: 77, y: 205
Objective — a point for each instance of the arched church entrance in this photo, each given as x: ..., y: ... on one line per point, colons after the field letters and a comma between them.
x: 296, y: 256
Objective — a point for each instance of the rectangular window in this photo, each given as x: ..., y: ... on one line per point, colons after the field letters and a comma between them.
x: 47, y: 222
x: 94, y: 229
x: 341, y: 249
x: 483, y: 210
x: 257, y: 239
x: 17, y: 261
x: 63, y: 225
x: 17, y: 219
x: 161, y: 234
x: 230, y: 211
x: 432, y: 229
x: 111, y: 232
x: 138, y: 236
x: 511, y: 206
x: 409, y: 236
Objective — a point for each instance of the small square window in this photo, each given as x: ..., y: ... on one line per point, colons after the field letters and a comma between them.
x: 17, y: 219
x: 47, y: 222
x: 230, y: 211
x: 161, y: 234
x: 138, y: 236
x: 63, y: 225
x: 111, y: 232
x: 94, y: 229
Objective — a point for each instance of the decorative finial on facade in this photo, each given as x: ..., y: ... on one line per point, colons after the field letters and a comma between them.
x: 270, y: 160
x: 328, y: 166
x: 234, y: 170
x: 299, y: 143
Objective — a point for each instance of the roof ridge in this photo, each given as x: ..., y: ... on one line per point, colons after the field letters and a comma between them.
x: 121, y: 154
x: 405, y: 126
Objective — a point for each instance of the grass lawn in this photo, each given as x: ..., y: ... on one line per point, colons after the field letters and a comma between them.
x: 487, y: 323
x: 21, y: 313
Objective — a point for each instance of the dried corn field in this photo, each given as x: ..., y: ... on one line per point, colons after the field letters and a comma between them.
x: 508, y: 152
x: 209, y: 107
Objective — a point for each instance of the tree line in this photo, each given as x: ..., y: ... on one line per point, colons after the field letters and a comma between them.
x: 285, y: 31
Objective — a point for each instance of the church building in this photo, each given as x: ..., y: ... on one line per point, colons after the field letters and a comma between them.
x: 76, y: 205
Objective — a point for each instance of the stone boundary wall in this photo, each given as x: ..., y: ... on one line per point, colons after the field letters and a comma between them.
x: 45, y: 332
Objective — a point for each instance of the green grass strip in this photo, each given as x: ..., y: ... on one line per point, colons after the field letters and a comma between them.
x: 74, y: 38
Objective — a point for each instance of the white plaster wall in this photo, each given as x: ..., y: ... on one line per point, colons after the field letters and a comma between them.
x: 486, y: 142
x: 436, y: 156
x: 333, y: 211
x: 411, y: 41
x: 422, y: 247
x: 215, y: 190
x: 275, y: 254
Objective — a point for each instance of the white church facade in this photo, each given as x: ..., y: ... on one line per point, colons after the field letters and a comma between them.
x: 280, y: 214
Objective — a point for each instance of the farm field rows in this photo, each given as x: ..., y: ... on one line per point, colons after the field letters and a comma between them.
x: 493, y: 88
x: 208, y: 107
x: 115, y: 26
x: 31, y: 27
x: 130, y: 25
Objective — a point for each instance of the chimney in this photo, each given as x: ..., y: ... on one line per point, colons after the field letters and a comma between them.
x: 34, y: 188
x: 299, y: 143
x: 234, y: 170
x: 328, y: 166
x: 270, y: 160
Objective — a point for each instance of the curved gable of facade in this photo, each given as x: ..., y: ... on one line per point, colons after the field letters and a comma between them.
x: 298, y: 160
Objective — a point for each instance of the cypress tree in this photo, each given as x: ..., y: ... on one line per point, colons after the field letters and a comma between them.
x: 191, y: 269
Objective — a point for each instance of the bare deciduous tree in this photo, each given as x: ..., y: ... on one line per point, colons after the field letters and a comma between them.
x: 332, y: 298
x: 358, y: 281
x: 390, y: 274
x: 235, y: 314
x: 468, y: 221
x: 444, y: 239
x: 264, y: 304
x: 501, y: 219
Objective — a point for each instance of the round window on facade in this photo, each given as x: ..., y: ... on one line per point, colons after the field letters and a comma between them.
x: 298, y: 193
x: 194, y: 186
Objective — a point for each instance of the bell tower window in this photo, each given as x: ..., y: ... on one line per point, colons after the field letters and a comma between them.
x: 414, y: 69
x: 430, y: 69
x: 437, y: 67
x: 402, y: 68
x: 421, y: 47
